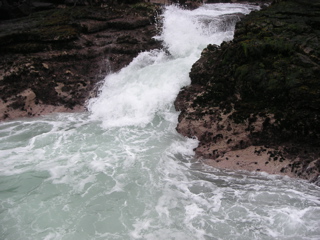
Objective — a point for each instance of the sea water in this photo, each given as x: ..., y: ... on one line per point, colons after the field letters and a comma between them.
x: 121, y: 171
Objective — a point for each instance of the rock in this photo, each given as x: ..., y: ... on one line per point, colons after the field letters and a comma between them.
x: 40, y: 6
x: 126, y: 24
x: 45, y: 66
x: 15, y: 9
x: 262, y: 88
x: 60, y: 55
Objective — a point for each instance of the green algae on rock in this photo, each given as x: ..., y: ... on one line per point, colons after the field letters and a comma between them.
x: 269, y: 74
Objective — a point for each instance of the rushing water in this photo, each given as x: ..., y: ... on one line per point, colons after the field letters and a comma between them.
x: 121, y: 171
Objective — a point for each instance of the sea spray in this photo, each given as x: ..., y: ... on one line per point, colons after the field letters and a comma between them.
x: 151, y: 82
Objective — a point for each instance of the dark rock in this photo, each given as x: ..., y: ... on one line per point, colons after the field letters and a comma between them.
x: 40, y: 6
x: 57, y: 57
x: 269, y: 73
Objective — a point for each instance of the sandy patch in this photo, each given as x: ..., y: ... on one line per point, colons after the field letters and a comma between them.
x: 254, y: 158
x: 29, y: 108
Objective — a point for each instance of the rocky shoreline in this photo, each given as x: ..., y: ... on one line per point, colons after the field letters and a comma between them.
x: 254, y: 102
x: 53, y: 60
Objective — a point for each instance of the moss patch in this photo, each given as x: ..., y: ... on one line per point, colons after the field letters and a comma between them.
x: 272, y: 66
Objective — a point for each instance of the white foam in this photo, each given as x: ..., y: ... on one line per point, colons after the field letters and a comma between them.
x: 150, y: 83
x: 134, y: 95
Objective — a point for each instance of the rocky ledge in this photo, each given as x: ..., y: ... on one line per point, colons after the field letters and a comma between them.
x: 52, y: 60
x: 254, y: 102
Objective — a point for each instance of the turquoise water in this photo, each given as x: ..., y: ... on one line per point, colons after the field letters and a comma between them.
x: 121, y: 171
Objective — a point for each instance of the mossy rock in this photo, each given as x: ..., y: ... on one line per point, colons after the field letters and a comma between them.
x: 55, y: 33
x: 271, y: 66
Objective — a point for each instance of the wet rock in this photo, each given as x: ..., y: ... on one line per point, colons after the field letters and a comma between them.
x: 61, y: 54
x: 263, y: 86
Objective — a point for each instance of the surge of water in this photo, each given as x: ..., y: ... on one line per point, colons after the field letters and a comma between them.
x: 121, y: 171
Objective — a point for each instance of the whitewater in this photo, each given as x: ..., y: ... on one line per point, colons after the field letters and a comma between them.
x: 121, y: 171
